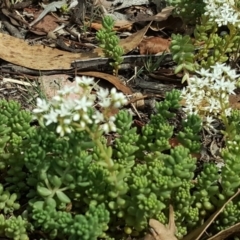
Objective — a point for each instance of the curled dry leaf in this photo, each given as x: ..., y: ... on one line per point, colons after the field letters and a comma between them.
x: 160, y: 231
x: 110, y: 78
x: 154, y: 45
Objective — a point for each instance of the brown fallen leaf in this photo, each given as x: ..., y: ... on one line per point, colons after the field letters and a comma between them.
x: 7, y: 13
x: 154, y: 45
x: 162, y: 232
x: 198, y: 232
x: 163, y: 15
x: 110, y: 78
x: 45, y: 25
x: 19, y: 52
x: 131, y: 42
x: 171, y: 23
x: 121, y: 25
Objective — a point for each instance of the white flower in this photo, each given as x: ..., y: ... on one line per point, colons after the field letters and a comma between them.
x: 87, y: 81
x: 231, y: 73
x: 209, y: 119
x: 218, y: 70
x: 102, y: 93
x: 230, y: 87
x: 220, y: 84
x: 204, y: 72
x: 51, y: 117
x: 234, y: 19
x: 213, y: 105
x: 228, y: 111
x: 64, y: 110
x: 118, y: 98
x: 43, y: 106
x: 66, y: 90
x: 57, y: 99
x: 222, y: 12
x: 98, y: 116
x: 105, y: 103
x: 208, y: 95
x: 83, y: 104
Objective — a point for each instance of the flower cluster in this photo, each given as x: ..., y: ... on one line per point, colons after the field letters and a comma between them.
x: 68, y: 113
x: 208, y: 94
x: 222, y: 12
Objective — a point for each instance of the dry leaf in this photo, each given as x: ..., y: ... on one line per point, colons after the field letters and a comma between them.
x: 19, y: 52
x: 131, y: 42
x: 163, y: 15
x: 198, y: 232
x: 121, y: 25
x: 171, y: 23
x: 7, y: 13
x: 162, y: 232
x: 45, y: 25
x: 110, y: 78
x: 154, y: 45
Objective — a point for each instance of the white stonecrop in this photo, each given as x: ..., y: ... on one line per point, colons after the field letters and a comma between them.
x: 64, y: 111
x: 207, y: 93
x: 223, y: 12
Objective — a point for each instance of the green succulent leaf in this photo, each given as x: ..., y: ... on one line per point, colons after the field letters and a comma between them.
x: 62, y: 197
x: 44, y: 192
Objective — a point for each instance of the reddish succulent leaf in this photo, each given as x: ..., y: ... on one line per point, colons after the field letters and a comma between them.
x: 174, y: 142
